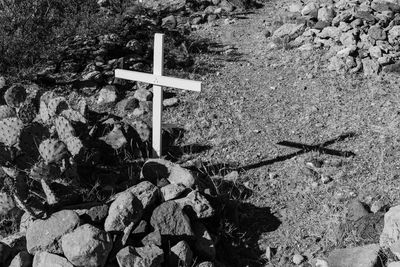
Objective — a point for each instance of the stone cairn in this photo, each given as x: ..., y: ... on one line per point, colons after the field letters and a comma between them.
x: 360, y: 35
x: 144, y: 225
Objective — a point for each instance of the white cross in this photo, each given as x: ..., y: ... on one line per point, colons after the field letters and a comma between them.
x: 158, y: 81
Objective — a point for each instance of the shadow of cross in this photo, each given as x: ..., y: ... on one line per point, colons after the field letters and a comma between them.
x: 304, y: 149
x: 321, y: 147
x: 158, y: 80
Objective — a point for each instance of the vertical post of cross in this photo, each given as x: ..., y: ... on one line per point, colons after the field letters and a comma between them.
x: 158, y: 65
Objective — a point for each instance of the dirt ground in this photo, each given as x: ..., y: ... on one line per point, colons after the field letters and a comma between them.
x: 253, y: 98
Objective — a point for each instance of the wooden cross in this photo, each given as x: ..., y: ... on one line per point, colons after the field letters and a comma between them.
x: 158, y: 80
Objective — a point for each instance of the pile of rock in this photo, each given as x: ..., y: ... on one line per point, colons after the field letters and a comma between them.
x: 159, y: 221
x: 380, y: 229
x: 360, y: 34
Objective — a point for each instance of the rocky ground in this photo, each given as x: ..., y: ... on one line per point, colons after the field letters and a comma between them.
x: 288, y: 156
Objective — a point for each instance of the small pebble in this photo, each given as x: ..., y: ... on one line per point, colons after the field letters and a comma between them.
x: 297, y: 259
x: 321, y: 263
x: 377, y: 206
x: 325, y: 179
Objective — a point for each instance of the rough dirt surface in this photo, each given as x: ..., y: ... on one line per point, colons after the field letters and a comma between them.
x: 252, y: 99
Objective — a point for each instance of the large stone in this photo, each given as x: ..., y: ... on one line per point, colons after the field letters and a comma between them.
x: 391, y: 230
x: 145, y: 191
x: 22, y: 259
x: 199, y: 204
x: 45, y: 235
x: 87, y: 246
x: 289, y: 30
x: 156, y: 169
x: 204, y: 244
x: 149, y: 256
x: 46, y: 259
x: 171, y: 221
x: 124, y: 210
x: 181, y: 255
x: 366, y: 256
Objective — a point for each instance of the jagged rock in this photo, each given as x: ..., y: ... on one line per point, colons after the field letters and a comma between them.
x: 375, y: 52
x: 172, y: 191
x: 310, y: 10
x: 169, y: 22
x: 141, y: 228
x: 22, y: 259
x: 151, y: 256
x: 153, y: 238
x: 116, y: 138
x: 46, y: 259
x: 181, y: 255
x: 87, y: 246
x: 95, y: 214
x: 348, y: 39
x: 289, y: 30
x: 326, y: 14
x: 377, y: 33
x: 198, y: 203
x: 365, y: 256
x: 125, y: 209
x: 126, y: 106
x: 156, y: 169
x: 170, y: 102
x: 356, y: 210
x: 162, y: 5
x: 204, y: 244
x: 143, y: 95
x: 330, y: 32
x: 45, y: 235
x: 107, y: 94
x: 145, y: 191
x: 370, y: 67
x: 2, y: 82
x: 171, y: 221
x: 7, y: 204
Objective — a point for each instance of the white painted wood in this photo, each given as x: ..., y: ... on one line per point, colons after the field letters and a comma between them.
x: 158, y: 65
x: 158, y: 81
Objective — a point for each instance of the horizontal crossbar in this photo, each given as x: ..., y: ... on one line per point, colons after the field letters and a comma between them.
x: 158, y: 80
